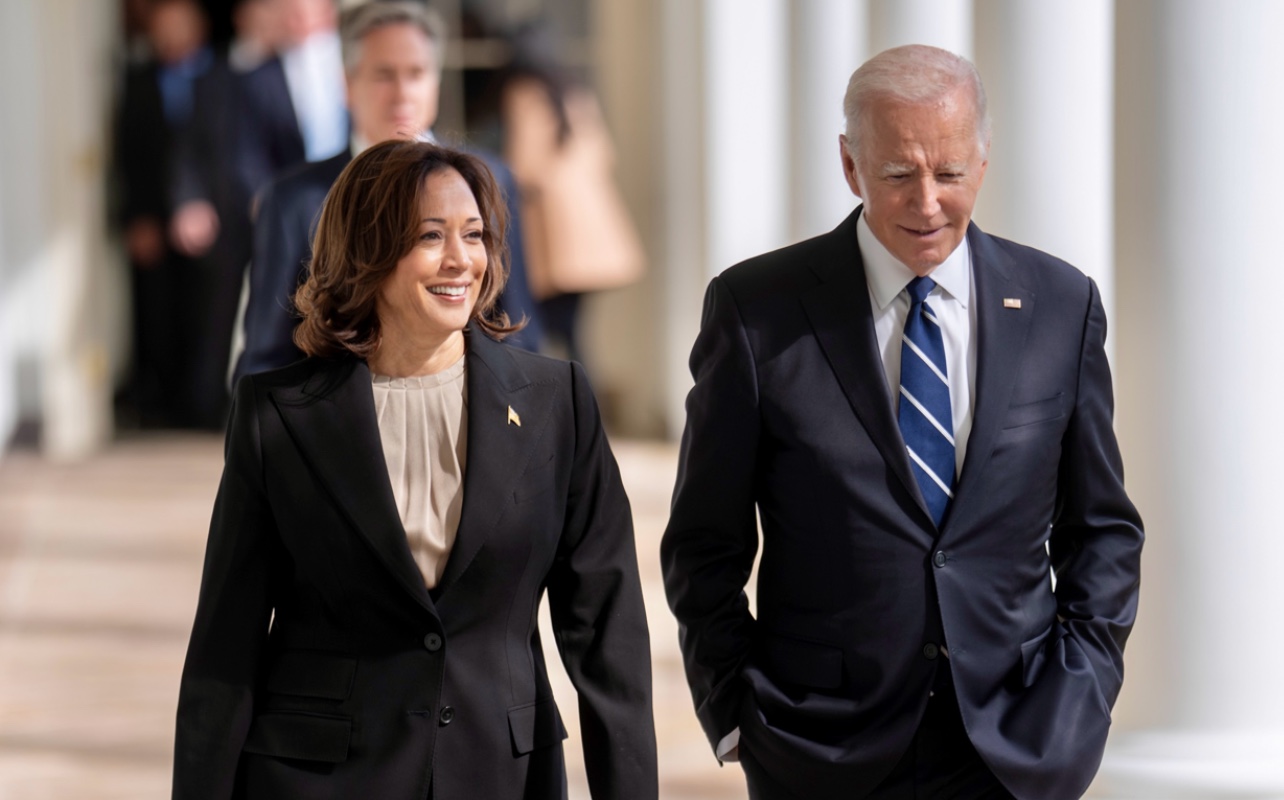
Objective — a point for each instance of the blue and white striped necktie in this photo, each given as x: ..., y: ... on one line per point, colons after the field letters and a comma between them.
x: 924, y: 414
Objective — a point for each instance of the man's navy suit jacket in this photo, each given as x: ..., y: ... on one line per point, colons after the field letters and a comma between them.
x: 791, y: 418
x: 268, y: 137
x: 287, y: 216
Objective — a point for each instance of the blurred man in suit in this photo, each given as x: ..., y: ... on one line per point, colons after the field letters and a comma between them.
x: 392, y: 60
x: 158, y: 107
x: 292, y: 107
x: 920, y: 415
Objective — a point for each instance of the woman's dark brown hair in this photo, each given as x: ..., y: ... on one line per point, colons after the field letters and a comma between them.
x: 369, y: 222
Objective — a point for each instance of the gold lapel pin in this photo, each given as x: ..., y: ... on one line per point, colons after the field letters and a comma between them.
x: 513, y: 419
x: 1011, y: 302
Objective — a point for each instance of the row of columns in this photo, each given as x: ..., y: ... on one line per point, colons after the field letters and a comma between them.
x: 62, y: 289
x: 1135, y: 141
x: 1196, y: 196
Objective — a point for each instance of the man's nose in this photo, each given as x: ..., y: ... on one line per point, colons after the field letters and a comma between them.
x: 927, y: 196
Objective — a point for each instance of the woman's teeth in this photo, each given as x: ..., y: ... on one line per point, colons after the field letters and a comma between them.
x: 451, y: 291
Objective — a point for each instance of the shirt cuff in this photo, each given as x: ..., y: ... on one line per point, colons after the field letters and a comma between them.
x: 727, y: 749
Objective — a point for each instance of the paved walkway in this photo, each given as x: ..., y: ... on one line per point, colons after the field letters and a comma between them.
x: 99, y: 569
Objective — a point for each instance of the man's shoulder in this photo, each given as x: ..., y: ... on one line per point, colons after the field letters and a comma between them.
x: 311, y: 175
x: 1029, y: 266
x: 267, y: 75
x: 787, y: 269
x: 305, y: 183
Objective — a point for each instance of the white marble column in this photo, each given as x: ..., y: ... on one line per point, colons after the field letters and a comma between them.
x: 829, y: 39
x: 76, y: 357
x: 681, y: 212
x: 942, y: 23
x: 23, y: 200
x: 1198, y: 259
x: 1048, y: 69
x: 746, y: 132
x: 8, y: 377
x: 725, y: 155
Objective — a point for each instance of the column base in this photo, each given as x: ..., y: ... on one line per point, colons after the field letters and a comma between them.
x: 1204, y: 764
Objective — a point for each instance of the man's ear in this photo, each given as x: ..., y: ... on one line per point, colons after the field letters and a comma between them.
x: 849, y: 165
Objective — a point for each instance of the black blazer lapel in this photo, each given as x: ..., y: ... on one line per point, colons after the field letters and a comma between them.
x: 331, y: 419
x: 507, y: 416
x: 1001, y: 334
x: 839, y: 311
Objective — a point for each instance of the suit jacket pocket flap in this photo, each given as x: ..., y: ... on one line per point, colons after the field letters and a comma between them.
x: 535, y: 725
x: 313, y: 737
x: 307, y: 674
x: 1030, y: 413
x: 1034, y: 654
x: 806, y: 663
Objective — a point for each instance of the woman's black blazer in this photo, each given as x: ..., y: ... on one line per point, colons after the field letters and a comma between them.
x: 319, y: 664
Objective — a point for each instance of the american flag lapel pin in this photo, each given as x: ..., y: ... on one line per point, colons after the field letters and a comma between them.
x: 1011, y: 302
x: 513, y: 418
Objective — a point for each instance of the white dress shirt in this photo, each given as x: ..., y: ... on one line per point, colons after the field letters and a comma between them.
x: 314, y: 75
x: 951, y: 302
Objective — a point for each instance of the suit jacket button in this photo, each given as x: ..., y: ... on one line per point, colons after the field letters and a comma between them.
x: 447, y: 715
x: 433, y: 642
x: 940, y: 558
x: 931, y: 651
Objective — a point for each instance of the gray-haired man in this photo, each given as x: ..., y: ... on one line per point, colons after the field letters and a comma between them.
x: 918, y: 413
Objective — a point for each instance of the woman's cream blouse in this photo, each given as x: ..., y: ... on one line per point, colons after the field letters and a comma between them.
x: 423, y: 422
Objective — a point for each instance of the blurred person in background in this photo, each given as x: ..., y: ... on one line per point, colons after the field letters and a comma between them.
x: 578, y: 233
x: 292, y: 104
x: 256, y: 35
x: 157, y: 107
x: 392, y: 56
x: 211, y: 219
x: 391, y: 512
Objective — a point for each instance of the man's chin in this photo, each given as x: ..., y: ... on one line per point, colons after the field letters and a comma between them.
x: 923, y: 262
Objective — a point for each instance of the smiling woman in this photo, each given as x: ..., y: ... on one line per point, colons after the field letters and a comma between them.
x: 404, y: 214
x: 392, y: 511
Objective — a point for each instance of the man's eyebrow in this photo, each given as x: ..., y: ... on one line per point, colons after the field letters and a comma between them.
x: 892, y: 168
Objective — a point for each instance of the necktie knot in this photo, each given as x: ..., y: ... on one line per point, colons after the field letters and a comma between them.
x: 919, y: 289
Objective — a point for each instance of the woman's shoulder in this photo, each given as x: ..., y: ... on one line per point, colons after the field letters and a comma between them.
x: 312, y: 373
x: 510, y: 362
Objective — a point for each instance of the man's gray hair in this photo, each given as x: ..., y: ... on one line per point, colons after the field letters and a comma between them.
x: 357, y: 22
x: 914, y: 74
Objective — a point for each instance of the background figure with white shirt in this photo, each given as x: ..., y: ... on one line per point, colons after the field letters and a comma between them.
x: 292, y: 107
x: 392, y: 52
x: 920, y: 415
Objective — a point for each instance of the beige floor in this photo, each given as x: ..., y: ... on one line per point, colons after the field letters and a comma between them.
x: 99, y: 568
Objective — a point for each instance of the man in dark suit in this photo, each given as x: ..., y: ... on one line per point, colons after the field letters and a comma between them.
x: 920, y: 415
x: 159, y: 104
x: 292, y: 109
x: 393, y: 75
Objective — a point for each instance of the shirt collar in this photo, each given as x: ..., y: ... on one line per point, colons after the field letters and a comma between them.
x: 358, y: 144
x: 887, y: 277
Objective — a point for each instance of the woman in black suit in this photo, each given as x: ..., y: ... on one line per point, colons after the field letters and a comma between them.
x: 367, y: 615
